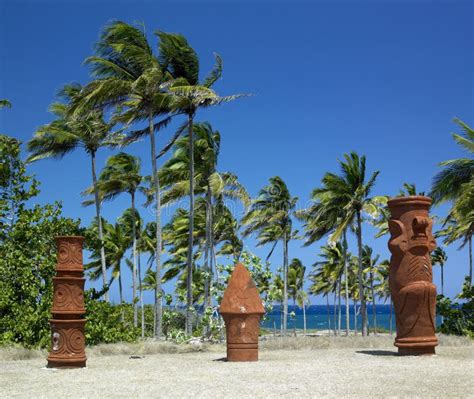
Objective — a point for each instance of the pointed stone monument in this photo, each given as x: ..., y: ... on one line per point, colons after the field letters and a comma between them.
x: 242, y: 309
x: 68, y: 342
x: 410, y: 277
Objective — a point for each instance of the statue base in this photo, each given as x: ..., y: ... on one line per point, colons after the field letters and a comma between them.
x: 419, y: 346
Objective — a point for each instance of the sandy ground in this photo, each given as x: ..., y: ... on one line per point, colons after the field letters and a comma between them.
x: 307, y: 372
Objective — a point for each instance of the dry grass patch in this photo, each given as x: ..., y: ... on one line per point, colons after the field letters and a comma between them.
x: 19, y: 353
x: 351, y: 342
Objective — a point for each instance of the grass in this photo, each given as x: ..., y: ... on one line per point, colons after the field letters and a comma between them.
x: 267, y: 343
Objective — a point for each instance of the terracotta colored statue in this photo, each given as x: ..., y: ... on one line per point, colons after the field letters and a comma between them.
x: 410, y: 278
x: 241, y: 308
x: 67, y: 325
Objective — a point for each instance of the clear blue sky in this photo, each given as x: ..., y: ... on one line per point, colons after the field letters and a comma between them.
x: 382, y: 78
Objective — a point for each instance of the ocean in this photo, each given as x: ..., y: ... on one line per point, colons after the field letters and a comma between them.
x: 317, y: 317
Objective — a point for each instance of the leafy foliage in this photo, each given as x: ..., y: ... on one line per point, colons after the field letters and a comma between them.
x: 458, y: 318
x: 27, y: 253
x: 107, y: 323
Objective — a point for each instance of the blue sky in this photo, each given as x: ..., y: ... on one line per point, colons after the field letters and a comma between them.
x: 382, y: 78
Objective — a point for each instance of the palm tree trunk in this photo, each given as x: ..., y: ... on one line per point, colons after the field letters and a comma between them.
x: 339, y: 306
x: 334, y: 311
x: 304, y: 316
x: 99, y: 223
x: 140, y: 288
x: 189, y: 277
x: 346, y: 281
x: 281, y: 318
x: 391, y: 317
x: 374, y: 309
x: 355, y: 317
x: 363, y: 304
x: 442, y: 279
x: 120, y: 287
x: 285, y: 283
x: 207, y: 249
x: 294, y: 320
x: 122, y: 316
x: 329, y: 314
x: 470, y: 259
x: 134, y: 268
x: 156, y: 182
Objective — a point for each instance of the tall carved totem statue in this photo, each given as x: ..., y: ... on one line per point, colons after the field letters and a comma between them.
x: 242, y: 309
x: 67, y: 324
x: 410, y: 278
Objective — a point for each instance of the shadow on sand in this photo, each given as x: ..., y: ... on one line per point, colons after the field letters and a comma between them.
x: 221, y: 359
x: 378, y: 353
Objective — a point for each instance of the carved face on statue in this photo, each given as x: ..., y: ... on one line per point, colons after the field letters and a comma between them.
x: 411, y: 244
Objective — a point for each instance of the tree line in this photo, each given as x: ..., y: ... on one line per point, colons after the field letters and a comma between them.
x: 134, y: 94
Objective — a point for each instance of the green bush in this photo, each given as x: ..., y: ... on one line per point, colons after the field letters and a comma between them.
x: 458, y: 318
x: 107, y: 323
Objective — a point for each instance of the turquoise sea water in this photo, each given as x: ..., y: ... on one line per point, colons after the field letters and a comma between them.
x: 317, y: 317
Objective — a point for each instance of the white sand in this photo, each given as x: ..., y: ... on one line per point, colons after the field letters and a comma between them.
x: 307, y: 372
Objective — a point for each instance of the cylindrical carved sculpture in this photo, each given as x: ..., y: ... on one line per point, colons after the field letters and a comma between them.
x: 67, y: 325
x: 410, y: 278
x: 242, y: 309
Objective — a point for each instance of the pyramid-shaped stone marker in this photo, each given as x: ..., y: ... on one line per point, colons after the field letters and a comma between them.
x: 242, y: 309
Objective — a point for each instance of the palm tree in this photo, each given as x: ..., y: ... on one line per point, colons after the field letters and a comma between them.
x: 189, y: 96
x: 116, y: 243
x: 121, y: 174
x: 331, y: 267
x: 130, y: 77
x: 322, y: 218
x: 296, y: 274
x: 270, y: 216
x: 456, y: 183
x: 448, y: 184
x: 370, y: 265
x: 382, y: 287
x: 351, y: 192
x: 459, y: 224
x: 215, y: 186
x: 5, y: 103
x: 323, y: 282
x: 439, y: 257
x: 337, y: 206
x: 86, y: 130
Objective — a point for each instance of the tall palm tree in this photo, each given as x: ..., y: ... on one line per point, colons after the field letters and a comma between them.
x: 322, y: 218
x: 189, y: 96
x: 213, y: 185
x: 86, y: 130
x: 270, y: 216
x: 439, y: 257
x: 130, y: 77
x: 350, y: 191
x: 337, y: 206
x: 121, y: 174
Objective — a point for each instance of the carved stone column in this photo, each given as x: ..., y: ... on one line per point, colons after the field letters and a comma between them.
x: 410, y: 278
x: 67, y: 324
x: 242, y: 309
